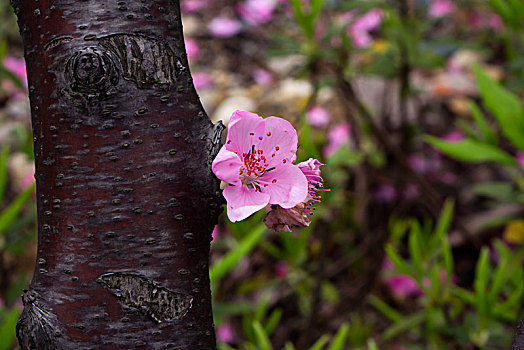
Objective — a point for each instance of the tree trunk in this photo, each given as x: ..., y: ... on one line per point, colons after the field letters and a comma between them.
x: 126, y: 197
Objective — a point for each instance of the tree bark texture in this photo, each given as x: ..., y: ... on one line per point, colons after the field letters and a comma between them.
x: 126, y: 197
x: 518, y: 341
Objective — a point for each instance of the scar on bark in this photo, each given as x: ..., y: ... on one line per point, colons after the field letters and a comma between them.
x: 36, y: 328
x: 159, y: 303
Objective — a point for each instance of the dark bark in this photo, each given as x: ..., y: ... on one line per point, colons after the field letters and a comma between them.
x: 518, y: 341
x: 126, y: 198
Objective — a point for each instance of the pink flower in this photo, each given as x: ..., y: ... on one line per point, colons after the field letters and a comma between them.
x: 262, y: 76
x: 255, y: 12
x: 281, y: 270
x: 385, y: 194
x: 440, y: 8
x: 411, y: 192
x: 225, y: 333
x: 189, y: 6
x: 495, y: 22
x: 360, y: 30
x: 193, y: 51
x: 520, y: 159
x: 257, y: 163
x: 223, y: 27
x: 202, y: 81
x: 402, y: 287
x: 318, y: 116
x: 17, y: 67
x: 454, y: 136
x: 338, y: 136
x: 282, y: 219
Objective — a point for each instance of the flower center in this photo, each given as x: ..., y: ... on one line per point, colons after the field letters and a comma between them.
x: 255, y: 165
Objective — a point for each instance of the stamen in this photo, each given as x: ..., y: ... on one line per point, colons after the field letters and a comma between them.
x: 268, y: 133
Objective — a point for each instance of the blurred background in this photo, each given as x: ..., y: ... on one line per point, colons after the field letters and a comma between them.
x: 415, y: 108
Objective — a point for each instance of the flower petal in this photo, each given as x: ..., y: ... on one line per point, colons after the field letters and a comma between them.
x: 243, y: 201
x: 226, y: 166
x: 241, y: 130
x: 280, y: 139
x: 286, y: 184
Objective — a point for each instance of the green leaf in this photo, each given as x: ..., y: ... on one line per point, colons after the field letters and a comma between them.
x: 404, y: 325
x: 501, y: 191
x: 289, y: 346
x: 340, y: 338
x: 415, y: 251
x: 505, y: 106
x: 499, y: 278
x: 320, y: 343
x: 481, y: 282
x: 399, y: 263
x: 261, y: 337
x: 7, y: 330
x: 230, y: 260
x: 273, y: 320
x: 10, y: 214
x: 489, y: 136
x: 4, y: 155
x: 471, y: 151
x: 385, y: 309
x: 316, y: 8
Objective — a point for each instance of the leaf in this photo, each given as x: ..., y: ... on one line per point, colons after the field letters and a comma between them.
x: 261, y: 337
x: 10, y: 214
x: 501, y: 191
x: 4, y: 155
x: 385, y: 309
x: 471, y: 151
x: 415, y: 251
x: 7, y: 330
x: 273, y: 320
x: 399, y: 263
x: 505, y: 106
x: 340, y: 338
x: 481, y: 282
x: 404, y: 325
x: 489, y: 136
x: 230, y: 260
x: 320, y: 343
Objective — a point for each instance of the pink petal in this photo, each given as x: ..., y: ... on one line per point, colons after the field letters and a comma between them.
x: 280, y: 138
x: 226, y: 166
x: 239, y: 129
x: 192, y: 49
x: 290, y: 187
x: 318, y: 116
x: 243, y: 201
x: 223, y: 27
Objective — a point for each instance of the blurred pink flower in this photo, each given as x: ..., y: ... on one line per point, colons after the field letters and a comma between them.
x: 411, y: 192
x: 495, y: 22
x: 440, y: 8
x: 454, y: 136
x: 418, y: 163
x: 385, y: 193
x: 337, y: 137
x: 360, y: 30
x: 262, y: 76
x: 402, y: 287
x: 216, y: 233
x: 448, y: 178
x: 189, y: 6
x: 28, y: 180
x: 223, y: 27
x: 318, y: 116
x: 255, y: 12
x: 520, y: 159
x: 17, y: 67
x: 193, y: 51
x: 225, y: 333
x: 202, y: 80
x: 281, y: 270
